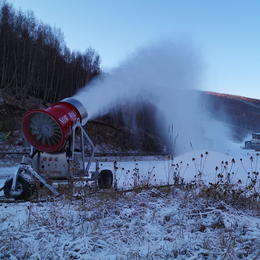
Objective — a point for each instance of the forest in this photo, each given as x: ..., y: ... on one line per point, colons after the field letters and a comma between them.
x: 34, y: 59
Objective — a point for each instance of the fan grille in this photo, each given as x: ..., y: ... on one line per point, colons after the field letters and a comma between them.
x: 42, y: 131
x: 45, y: 129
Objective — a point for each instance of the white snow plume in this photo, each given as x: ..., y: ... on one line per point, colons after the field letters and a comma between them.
x: 164, y: 74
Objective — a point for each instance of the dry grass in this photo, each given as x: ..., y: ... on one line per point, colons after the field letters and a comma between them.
x: 148, y: 221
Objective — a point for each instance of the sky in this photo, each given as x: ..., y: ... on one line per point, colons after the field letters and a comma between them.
x: 226, y: 34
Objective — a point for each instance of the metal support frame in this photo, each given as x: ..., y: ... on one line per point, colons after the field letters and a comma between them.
x: 37, y: 176
x: 15, y: 177
x: 82, y: 135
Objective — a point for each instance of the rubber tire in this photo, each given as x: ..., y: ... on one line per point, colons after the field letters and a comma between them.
x: 105, y: 179
x: 26, y: 189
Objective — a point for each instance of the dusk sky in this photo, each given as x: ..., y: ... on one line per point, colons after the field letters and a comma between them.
x: 226, y: 34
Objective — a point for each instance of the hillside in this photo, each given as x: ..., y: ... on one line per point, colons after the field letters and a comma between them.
x: 240, y: 113
x: 110, y: 135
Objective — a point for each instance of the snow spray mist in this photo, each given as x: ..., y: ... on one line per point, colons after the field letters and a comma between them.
x: 165, y: 74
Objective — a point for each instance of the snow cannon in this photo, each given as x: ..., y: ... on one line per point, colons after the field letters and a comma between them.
x: 61, y: 152
x: 47, y: 130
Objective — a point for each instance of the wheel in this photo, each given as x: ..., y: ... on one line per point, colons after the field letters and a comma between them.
x: 105, y: 179
x: 23, y: 190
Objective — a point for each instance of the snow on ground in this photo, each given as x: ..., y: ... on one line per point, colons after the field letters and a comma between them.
x: 158, y: 223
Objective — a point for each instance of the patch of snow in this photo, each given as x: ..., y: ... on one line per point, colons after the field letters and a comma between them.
x: 158, y: 223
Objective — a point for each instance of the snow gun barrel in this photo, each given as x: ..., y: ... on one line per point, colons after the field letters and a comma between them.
x: 47, y: 130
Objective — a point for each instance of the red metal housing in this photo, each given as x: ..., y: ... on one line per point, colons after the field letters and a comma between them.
x: 47, y: 130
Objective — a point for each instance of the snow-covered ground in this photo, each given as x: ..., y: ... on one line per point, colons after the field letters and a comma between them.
x: 157, y: 223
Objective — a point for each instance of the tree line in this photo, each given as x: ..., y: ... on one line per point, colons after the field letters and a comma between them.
x: 34, y: 59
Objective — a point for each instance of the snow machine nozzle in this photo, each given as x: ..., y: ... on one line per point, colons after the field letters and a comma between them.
x: 47, y: 130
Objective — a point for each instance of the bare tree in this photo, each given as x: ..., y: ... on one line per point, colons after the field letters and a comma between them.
x: 34, y: 59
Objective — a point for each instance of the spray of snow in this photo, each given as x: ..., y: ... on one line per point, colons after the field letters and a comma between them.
x: 165, y: 74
